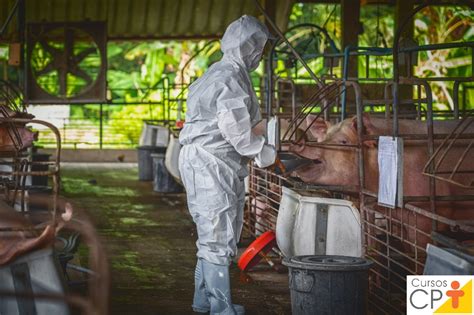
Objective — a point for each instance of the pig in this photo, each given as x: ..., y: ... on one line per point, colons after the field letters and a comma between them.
x: 19, y: 235
x: 24, y: 134
x: 338, y: 165
x: 10, y: 129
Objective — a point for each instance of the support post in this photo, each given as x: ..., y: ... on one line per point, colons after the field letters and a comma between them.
x: 101, y: 127
x: 22, y: 40
x: 350, y: 26
x: 403, y: 10
x: 270, y: 8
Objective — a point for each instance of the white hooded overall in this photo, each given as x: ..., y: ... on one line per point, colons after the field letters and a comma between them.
x: 218, y: 142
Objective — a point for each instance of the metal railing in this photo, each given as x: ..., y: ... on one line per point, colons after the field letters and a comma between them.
x: 91, y: 133
x: 394, y: 239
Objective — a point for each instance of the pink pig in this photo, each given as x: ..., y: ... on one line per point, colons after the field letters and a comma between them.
x: 339, y: 165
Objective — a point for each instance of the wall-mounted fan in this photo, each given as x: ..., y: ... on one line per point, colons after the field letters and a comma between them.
x: 66, y: 62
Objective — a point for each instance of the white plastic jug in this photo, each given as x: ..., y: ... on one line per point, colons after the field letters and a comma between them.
x: 172, y: 158
x: 40, y: 271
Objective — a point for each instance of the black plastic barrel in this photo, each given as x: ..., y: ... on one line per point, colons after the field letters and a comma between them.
x: 162, y: 179
x: 328, y: 284
x: 145, y: 161
x: 38, y: 180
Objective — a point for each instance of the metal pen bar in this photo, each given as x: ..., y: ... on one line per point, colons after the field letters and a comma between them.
x: 293, y: 50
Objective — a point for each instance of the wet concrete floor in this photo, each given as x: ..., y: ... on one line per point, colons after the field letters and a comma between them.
x: 150, y: 243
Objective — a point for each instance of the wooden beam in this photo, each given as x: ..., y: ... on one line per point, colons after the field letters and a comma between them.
x: 270, y: 8
x: 403, y: 9
x: 391, y: 2
x: 350, y: 29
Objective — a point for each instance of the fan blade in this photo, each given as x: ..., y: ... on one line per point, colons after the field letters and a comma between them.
x: 78, y: 72
x: 62, y: 82
x: 49, y: 67
x: 83, y: 54
x: 69, y: 42
x: 49, y: 49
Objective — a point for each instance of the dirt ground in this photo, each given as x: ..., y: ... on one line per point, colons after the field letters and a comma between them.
x: 150, y: 242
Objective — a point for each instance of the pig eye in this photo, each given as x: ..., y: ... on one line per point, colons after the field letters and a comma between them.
x: 343, y: 141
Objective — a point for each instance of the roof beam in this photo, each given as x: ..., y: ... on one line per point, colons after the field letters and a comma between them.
x: 390, y: 2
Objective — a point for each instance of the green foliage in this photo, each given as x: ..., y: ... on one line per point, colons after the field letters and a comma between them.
x: 324, y: 15
x: 142, y: 73
x: 378, y: 25
x: 128, y: 122
x: 435, y: 24
x: 443, y: 25
x: 145, y: 72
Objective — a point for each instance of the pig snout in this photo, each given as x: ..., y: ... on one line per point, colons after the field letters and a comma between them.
x: 28, y: 136
x: 10, y: 136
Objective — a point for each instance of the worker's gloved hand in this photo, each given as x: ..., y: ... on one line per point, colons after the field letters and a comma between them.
x: 266, y: 157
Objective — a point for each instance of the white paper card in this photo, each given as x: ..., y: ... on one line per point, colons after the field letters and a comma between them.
x: 390, y: 160
x: 272, y: 131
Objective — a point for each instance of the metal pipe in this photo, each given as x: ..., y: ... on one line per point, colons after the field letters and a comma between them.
x: 344, y: 77
x: 395, y: 95
x: 9, y: 18
x: 271, y: 58
x: 293, y: 50
x: 21, y: 37
x: 456, y: 99
x: 360, y: 129
x: 439, y: 218
x: 437, y: 46
x: 101, y: 126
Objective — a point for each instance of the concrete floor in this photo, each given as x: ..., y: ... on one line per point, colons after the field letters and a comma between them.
x: 150, y: 242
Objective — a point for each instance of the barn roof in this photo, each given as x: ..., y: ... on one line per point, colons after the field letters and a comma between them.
x: 145, y: 19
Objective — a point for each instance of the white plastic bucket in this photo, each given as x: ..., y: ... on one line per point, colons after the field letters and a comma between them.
x: 318, y: 226
x: 154, y: 135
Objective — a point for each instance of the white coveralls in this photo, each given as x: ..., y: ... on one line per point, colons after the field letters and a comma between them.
x: 218, y: 142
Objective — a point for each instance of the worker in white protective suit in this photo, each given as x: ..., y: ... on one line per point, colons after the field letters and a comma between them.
x: 218, y: 142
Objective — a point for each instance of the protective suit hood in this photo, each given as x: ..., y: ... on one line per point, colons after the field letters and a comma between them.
x: 244, y: 41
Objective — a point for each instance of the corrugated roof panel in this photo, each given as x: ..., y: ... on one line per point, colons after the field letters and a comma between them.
x: 122, y: 16
x: 94, y: 10
x: 185, y: 17
x: 217, y: 9
x: 136, y: 26
x: 58, y: 8
x: 135, y: 19
x: 231, y: 12
x: 169, y: 16
x: 74, y: 10
x: 5, y: 8
x: 201, y: 18
x: 151, y: 19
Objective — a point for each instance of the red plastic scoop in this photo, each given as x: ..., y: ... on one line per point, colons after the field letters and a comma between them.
x: 257, y: 251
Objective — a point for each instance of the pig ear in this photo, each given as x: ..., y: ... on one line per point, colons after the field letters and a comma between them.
x: 368, y: 129
x: 318, y: 126
x: 366, y: 122
x: 298, y: 147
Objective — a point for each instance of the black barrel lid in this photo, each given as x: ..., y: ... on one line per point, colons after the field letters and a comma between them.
x: 328, y: 263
